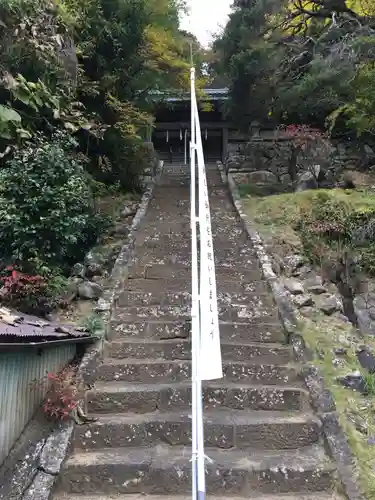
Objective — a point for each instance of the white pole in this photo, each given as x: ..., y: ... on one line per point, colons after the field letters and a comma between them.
x: 200, y: 430
x: 195, y: 321
x: 185, y: 147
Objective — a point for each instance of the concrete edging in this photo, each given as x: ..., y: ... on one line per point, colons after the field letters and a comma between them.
x: 321, y: 398
x: 57, y: 445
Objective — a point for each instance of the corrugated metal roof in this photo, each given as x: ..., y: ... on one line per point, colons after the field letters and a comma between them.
x: 15, y: 324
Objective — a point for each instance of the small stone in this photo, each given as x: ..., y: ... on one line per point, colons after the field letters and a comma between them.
x: 344, y: 340
x: 320, y: 353
x: 94, y: 269
x: 353, y: 381
x: 303, y: 300
x: 316, y: 288
x: 78, y: 270
x: 371, y: 440
x: 128, y: 212
x: 294, y: 286
x: 337, y: 362
x: 302, y: 271
x: 120, y: 230
x: 366, y: 360
x: 293, y: 262
x: 359, y: 423
x: 340, y: 351
x: 330, y: 305
x: 89, y: 290
x: 103, y: 306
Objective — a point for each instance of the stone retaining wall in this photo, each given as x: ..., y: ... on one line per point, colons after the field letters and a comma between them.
x: 267, y: 157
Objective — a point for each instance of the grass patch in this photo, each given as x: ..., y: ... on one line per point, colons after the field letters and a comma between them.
x: 326, y: 221
x: 356, y: 411
x: 283, y: 209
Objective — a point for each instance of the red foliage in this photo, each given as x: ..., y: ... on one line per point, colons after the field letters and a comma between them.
x: 303, y: 135
x: 18, y: 287
x: 62, y: 394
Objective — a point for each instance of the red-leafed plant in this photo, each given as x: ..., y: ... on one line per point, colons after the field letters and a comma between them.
x: 23, y: 291
x: 310, y: 147
x: 62, y: 395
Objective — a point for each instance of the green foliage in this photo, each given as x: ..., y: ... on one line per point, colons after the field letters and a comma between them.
x: 301, y: 62
x: 93, y: 324
x: 46, y: 209
x: 82, y: 69
x: 330, y: 228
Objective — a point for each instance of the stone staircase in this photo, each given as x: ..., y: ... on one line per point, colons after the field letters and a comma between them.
x: 260, y: 432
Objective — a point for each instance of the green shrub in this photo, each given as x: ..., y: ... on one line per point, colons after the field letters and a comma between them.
x: 332, y: 228
x: 47, y: 216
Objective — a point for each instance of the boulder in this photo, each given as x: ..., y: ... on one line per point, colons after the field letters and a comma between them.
x: 88, y: 290
x: 262, y: 176
x: 293, y: 286
x: 308, y: 180
x: 78, y: 270
x: 330, y: 305
x: 303, y: 300
x: 94, y: 269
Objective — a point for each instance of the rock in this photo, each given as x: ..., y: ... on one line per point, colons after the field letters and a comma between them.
x: 103, y: 306
x: 94, y: 269
x: 344, y: 340
x: 316, y: 288
x: 340, y: 351
x: 330, y: 305
x: 359, y: 422
x: 78, y: 270
x: 353, y: 381
x: 303, y: 300
x: 294, y: 286
x: 320, y: 353
x: 293, y: 262
x: 366, y: 360
x: 262, y: 176
x: 120, y: 230
x: 128, y: 212
x: 71, y: 290
x: 341, y: 317
x: 90, y: 259
x: 368, y: 150
x: 302, y: 271
x: 308, y: 180
x: 89, y: 290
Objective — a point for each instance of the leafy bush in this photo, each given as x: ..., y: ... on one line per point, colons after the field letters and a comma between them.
x: 332, y: 229
x: 62, y: 396
x: 47, y: 216
x: 28, y: 293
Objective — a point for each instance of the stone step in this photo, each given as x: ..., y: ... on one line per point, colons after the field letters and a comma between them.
x: 149, y: 371
x: 149, y: 294
x: 173, y: 271
x: 322, y: 495
x: 260, y: 330
x: 222, y: 429
x: 183, y: 285
x: 120, y: 397
x: 225, y: 239
x: 183, y: 246
x: 181, y: 349
x: 233, y: 313
x: 167, y: 469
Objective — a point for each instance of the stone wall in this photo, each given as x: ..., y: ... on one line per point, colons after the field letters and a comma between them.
x: 267, y: 158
